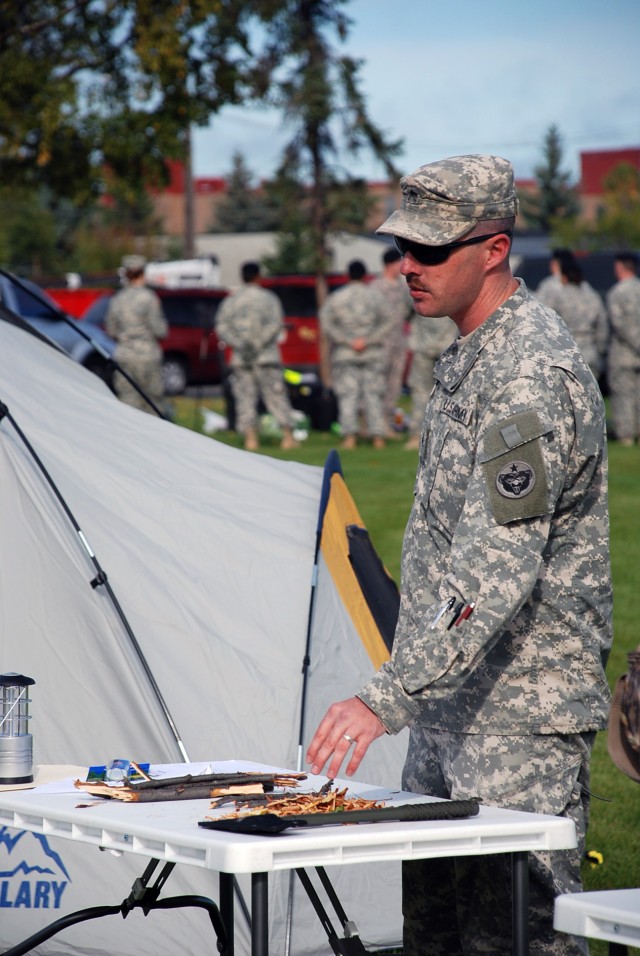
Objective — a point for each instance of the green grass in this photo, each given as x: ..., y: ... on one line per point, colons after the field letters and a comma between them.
x: 381, y: 483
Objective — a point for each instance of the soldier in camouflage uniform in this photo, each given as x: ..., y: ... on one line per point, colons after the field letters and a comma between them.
x: 582, y: 311
x: 548, y: 287
x: 136, y: 321
x: 357, y: 324
x: 623, y: 304
x: 393, y: 288
x: 428, y: 338
x: 506, y: 605
x: 251, y: 322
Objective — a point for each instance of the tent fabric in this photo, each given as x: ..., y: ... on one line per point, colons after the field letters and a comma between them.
x: 379, y: 589
x: 209, y: 551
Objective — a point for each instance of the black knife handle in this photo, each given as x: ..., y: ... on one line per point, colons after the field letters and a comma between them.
x: 438, y: 810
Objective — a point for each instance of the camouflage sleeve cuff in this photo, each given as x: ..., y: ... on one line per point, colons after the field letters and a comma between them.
x: 384, y: 695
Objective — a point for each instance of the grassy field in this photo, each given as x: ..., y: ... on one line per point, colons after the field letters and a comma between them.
x: 381, y: 483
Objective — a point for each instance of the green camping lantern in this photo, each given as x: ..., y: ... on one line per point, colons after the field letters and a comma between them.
x: 16, y: 743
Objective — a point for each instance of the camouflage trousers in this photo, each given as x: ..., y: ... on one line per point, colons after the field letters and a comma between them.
x: 420, y: 383
x: 360, y: 387
x: 462, y: 906
x: 396, y: 359
x: 624, y: 385
x: 147, y: 372
x: 248, y: 385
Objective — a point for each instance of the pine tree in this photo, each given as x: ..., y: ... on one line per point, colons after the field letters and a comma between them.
x: 556, y: 199
x: 244, y: 208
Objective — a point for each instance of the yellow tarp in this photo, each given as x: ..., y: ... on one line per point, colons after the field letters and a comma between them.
x: 341, y: 512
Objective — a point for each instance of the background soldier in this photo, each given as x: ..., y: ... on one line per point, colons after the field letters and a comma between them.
x: 428, y: 338
x: 394, y: 290
x: 583, y: 311
x: 251, y: 322
x: 136, y: 321
x: 551, y: 283
x: 505, y: 615
x: 623, y: 304
x: 357, y: 325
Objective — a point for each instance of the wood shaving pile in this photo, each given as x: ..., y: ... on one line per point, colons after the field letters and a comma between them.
x: 335, y: 801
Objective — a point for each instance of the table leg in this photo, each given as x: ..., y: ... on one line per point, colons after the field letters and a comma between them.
x: 226, y: 890
x: 520, y: 902
x: 259, y: 914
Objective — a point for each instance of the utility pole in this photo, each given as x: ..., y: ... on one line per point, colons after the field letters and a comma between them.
x: 189, y: 224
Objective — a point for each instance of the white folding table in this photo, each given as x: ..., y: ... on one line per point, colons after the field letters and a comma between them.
x: 611, y: 915
x: 169, y: 831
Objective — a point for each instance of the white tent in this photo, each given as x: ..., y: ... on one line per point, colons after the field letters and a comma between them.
x: 209, y: 552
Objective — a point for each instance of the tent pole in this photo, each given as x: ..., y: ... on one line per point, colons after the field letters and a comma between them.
x: 100, y: 580
x: 331, y: 466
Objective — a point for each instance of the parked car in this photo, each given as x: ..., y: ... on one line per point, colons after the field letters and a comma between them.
x: 92, y: 348
x: 192, y: 353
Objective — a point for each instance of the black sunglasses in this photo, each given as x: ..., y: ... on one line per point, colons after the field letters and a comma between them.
x: 435, y: 255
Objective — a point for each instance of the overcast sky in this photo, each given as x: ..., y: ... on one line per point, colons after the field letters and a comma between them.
x: 464, y: 76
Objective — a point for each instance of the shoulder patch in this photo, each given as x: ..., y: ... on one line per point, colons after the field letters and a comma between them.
x: 514, y: 469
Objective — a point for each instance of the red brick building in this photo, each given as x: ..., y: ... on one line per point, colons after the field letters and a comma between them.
x: 595, y: 166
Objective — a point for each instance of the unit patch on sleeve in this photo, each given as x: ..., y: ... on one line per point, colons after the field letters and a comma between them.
x: 515, y: 479
x: 514, y: 468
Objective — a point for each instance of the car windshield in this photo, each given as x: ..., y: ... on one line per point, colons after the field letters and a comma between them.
x: 97, y: 311
x: 31, y: 304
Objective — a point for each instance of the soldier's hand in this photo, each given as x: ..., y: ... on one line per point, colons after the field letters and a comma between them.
x: 349, y: 723
x: 247, y: 352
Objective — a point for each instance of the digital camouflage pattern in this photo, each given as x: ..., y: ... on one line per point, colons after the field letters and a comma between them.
x: 442, y: 201
x: 399, y: 305
x: 136, y: 321
x: 357, y: 311
x: 428, y: 338
x: 510, y: 512
x: 536, y: 774
x: 623, y: 305
x: 251, y: 322
x: 583, y: 312
x: 548, y: 288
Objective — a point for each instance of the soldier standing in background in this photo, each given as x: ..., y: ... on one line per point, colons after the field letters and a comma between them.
x: 428, y: 338
x: 551, y: 283
x: 583, y: 312
x: 506, y: 605
x: 357, y: 325
x: 393, y: 288
x: 136, y: 321
x: 623, y: 304
x: 251, y: 322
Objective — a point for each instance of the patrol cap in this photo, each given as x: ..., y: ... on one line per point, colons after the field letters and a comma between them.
x: 133, y: 263
x: 443, y: 201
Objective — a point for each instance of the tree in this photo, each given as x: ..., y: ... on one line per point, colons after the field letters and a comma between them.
x: 556, y: 199
x: 88, y: 87
x: 318, y: 91
x: 618, y: 224
x: 243, y: 208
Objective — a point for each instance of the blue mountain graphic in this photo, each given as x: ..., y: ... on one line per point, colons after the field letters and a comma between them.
x: 10, y: 841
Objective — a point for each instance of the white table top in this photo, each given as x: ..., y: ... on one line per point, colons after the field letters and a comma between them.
x: 169, y: 830
x: 612, y: 915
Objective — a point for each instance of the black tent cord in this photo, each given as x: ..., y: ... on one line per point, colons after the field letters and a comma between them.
x: 77, y: 327
x: 100, y: 580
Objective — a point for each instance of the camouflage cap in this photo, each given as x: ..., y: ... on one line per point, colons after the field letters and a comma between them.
x: 133, y: 263
x: 443, y: 201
